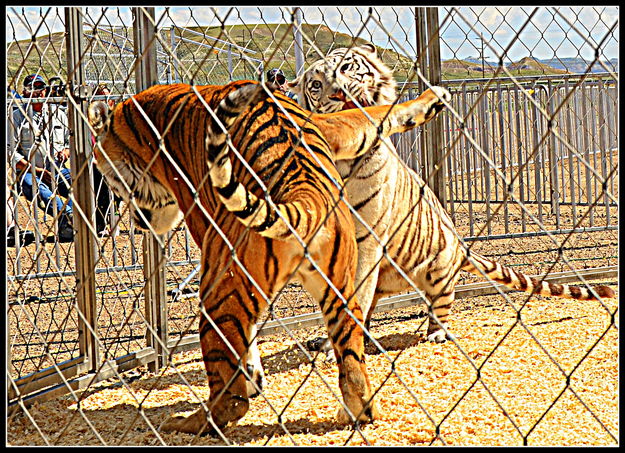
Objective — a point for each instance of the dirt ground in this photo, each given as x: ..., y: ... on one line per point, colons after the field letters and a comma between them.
x: 503, y: 382
x: 44, y: 323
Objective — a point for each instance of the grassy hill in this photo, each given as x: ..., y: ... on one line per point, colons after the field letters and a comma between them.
x: 45, y: 56
x: 530, y: 66
x: 460, y: 69
x: 196, y: 62
x: 271, y: 43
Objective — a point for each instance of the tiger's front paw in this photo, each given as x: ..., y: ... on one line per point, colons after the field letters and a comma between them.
x: 439, y: 336
x: 434, y: 101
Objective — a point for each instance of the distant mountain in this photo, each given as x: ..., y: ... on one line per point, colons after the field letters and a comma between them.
x: 580, y: 65
x: 576, y: 65
x: 455, y: 68
x: 530, y: 64
x: 472, y: 67
x: 478, y: 62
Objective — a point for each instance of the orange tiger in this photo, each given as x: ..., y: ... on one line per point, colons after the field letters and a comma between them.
x: 169, y: 157
x: 412, y: 230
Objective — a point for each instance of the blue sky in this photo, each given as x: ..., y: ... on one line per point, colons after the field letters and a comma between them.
x: 551, y: 32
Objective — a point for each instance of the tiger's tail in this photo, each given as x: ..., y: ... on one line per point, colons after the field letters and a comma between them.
x: 97, y: 113
x: 255, y: 213
x: 516, y: 280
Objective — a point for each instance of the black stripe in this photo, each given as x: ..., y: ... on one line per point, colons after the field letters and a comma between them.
x: 129, y: 117
x: 216, y: 355
x: 213, y: 151
x: 225, y: 116
x: 237, y: 296
x: 249, y: 125
x: 165, y: 111
x: 363, y: 143
x: 292, y: 171
x: 249, y: 209
x: 237, y: 323
x: 347, y: 334
x: 269, y: 221
x: 350, y: 352
x: 334, y: 253
x: 360, y: 205
x: 271, y: 261
x: 282, y: 137
x: 228, y: 190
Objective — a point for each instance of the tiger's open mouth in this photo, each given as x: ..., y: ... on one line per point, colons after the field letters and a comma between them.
x: 349, y: 104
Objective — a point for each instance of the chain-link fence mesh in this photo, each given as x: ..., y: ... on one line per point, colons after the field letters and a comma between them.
x: 103, y: 327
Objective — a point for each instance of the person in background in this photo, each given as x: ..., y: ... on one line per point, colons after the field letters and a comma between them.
x: 25, y: 236
x: 277, y: 77
x: 41, y: 138
x: 102, y: 191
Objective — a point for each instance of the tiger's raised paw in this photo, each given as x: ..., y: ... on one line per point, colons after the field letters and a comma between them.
x: 434, y: 101
x: 410, y: 114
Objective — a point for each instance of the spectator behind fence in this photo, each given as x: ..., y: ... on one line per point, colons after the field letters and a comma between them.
x: 277, y: 77
x: 26, y: 236
x: 42, y: 140
x: 102, y: 191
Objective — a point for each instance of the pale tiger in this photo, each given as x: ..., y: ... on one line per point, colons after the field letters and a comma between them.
x: 399, y: 207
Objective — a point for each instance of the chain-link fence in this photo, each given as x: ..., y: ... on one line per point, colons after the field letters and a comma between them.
x: 103, y: 325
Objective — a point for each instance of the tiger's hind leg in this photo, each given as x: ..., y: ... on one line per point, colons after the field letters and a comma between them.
x: 369, y: 260
x: 226, y: 328
x: 438, y: 315
x: 255, y: 371
x: 348, y: 344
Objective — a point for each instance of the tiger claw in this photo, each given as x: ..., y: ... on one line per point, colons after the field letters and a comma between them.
x: 441, y: 93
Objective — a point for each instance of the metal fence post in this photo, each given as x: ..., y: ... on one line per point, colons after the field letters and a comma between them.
x: 421, y: 47
x: 428, y: 49
x: 153, y: 252
x: 84, y: 205
x: 174, y: 59
x: 230, y: 63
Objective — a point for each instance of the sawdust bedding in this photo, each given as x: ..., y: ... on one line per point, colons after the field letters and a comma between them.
x: 503, y: 383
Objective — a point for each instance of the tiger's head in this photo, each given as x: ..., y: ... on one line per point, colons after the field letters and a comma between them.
x: 357, y: 71
x: 154, y: 204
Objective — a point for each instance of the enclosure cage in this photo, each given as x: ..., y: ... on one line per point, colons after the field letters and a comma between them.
x: 102, y: 331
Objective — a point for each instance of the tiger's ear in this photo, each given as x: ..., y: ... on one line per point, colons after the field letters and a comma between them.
x: 295, y: 83
x: 296, y: 86
x: 97, y: 113
x: 369, y: 48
